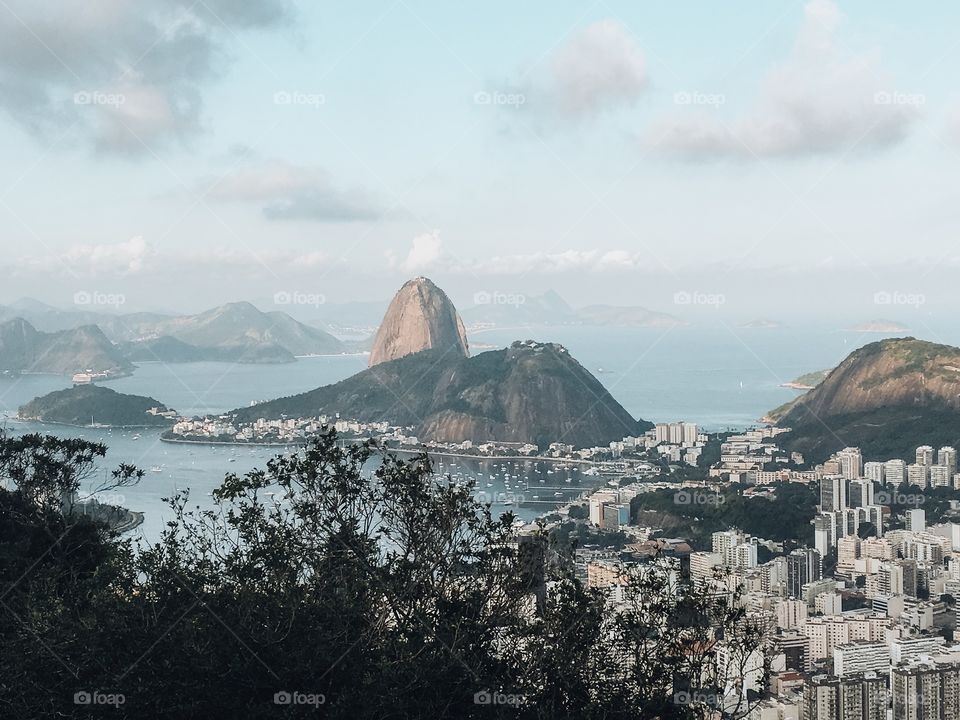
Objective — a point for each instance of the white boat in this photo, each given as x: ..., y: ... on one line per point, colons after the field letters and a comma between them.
x: 156, y: 468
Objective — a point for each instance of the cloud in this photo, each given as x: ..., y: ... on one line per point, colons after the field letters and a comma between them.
x: 426, y: 252
x: 597, y: 69
x: 292, y: 192
x: 820, y: 100
x: 561, y: 262
x: 124, y: 258
x: 129, y: 74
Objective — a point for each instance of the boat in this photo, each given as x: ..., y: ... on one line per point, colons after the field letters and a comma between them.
x: 156, y: 468
x: 558, y: 494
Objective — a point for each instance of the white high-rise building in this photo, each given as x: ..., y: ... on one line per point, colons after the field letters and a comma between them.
x: 873, y: 471
x: 918, y: 474
x: 940, y: 476
x: 725, y: 544
x: 851, y: 463
x: 894, y: 472
x: 662, y: 433
x: 916, y: 520
x: 924, y: 455
x: 791, y: 613
x: 676, y: 433
x: 690, y: 433
x: 947, y: 455
x: 745, y: 555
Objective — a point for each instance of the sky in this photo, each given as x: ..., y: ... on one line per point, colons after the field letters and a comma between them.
x: 788, y: 157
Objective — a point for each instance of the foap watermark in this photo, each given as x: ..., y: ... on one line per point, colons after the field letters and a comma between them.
x: 495, y: 297
x: 295, y: 697
x: 897, y: 297
x: 695, y: 97
x: 95, y: 297
x: 98, y: 697
x: 688, y: 497
x: 684, y: 297
x: 98, y: 97
x: 888, y: 497
x: 896, y: 97
x: 697, y: 697
x: 485, y: 697
x: 295, y: 297
x: 299, y: 98
x: 105, y: 498
x: 500, y: 498
x: 496, y: 97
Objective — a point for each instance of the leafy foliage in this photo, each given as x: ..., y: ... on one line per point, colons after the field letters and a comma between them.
x: 391, y: 594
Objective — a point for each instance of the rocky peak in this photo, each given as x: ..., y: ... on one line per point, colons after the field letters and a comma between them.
x: 420, y: 317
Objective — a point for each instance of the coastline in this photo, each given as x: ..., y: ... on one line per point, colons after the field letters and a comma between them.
x: 133, y: 524
x: 405, y: 451
x: 17, y: 418
x: 181, y: 441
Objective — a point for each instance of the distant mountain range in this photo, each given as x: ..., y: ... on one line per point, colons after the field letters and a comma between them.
x: 24, y: 349
x: 235, y: 332
x: 887, y: 398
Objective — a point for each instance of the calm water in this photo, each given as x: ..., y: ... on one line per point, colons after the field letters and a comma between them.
x: 719, y: 377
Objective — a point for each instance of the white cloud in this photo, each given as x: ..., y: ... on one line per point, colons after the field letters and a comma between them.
x: 292, y: 192
x: 425, y: 253
x: 820, y: 100
x: 560, y: 262
x: 599, y: 68
x: 124, y: 258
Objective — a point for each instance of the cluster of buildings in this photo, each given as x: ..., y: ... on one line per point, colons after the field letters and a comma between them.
x: 859, y: 624
x: 837, y: 647
x: 283, y: 431
x: 678, y: 442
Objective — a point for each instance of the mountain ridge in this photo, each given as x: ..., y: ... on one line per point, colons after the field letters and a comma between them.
x: 908, y: 388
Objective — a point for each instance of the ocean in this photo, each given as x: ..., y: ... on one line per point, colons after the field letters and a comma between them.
x: 721, y: 377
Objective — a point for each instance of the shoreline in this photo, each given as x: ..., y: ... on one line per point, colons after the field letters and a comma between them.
x: 38, y: 421
x: 133, y: 524
x: 180, y: 441
x: 406, y: 451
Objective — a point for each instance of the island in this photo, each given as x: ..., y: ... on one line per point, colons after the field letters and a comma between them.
x: 94, y: 405
x: 879, y: 326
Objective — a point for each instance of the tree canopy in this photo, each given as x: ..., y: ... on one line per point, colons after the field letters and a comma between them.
x: 316, y: 584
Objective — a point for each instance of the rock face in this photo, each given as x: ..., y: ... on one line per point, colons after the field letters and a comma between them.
x: 420, y: 317
x: 891, y: 395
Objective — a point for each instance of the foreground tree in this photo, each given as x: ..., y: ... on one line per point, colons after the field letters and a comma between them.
x: 342, y: 580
